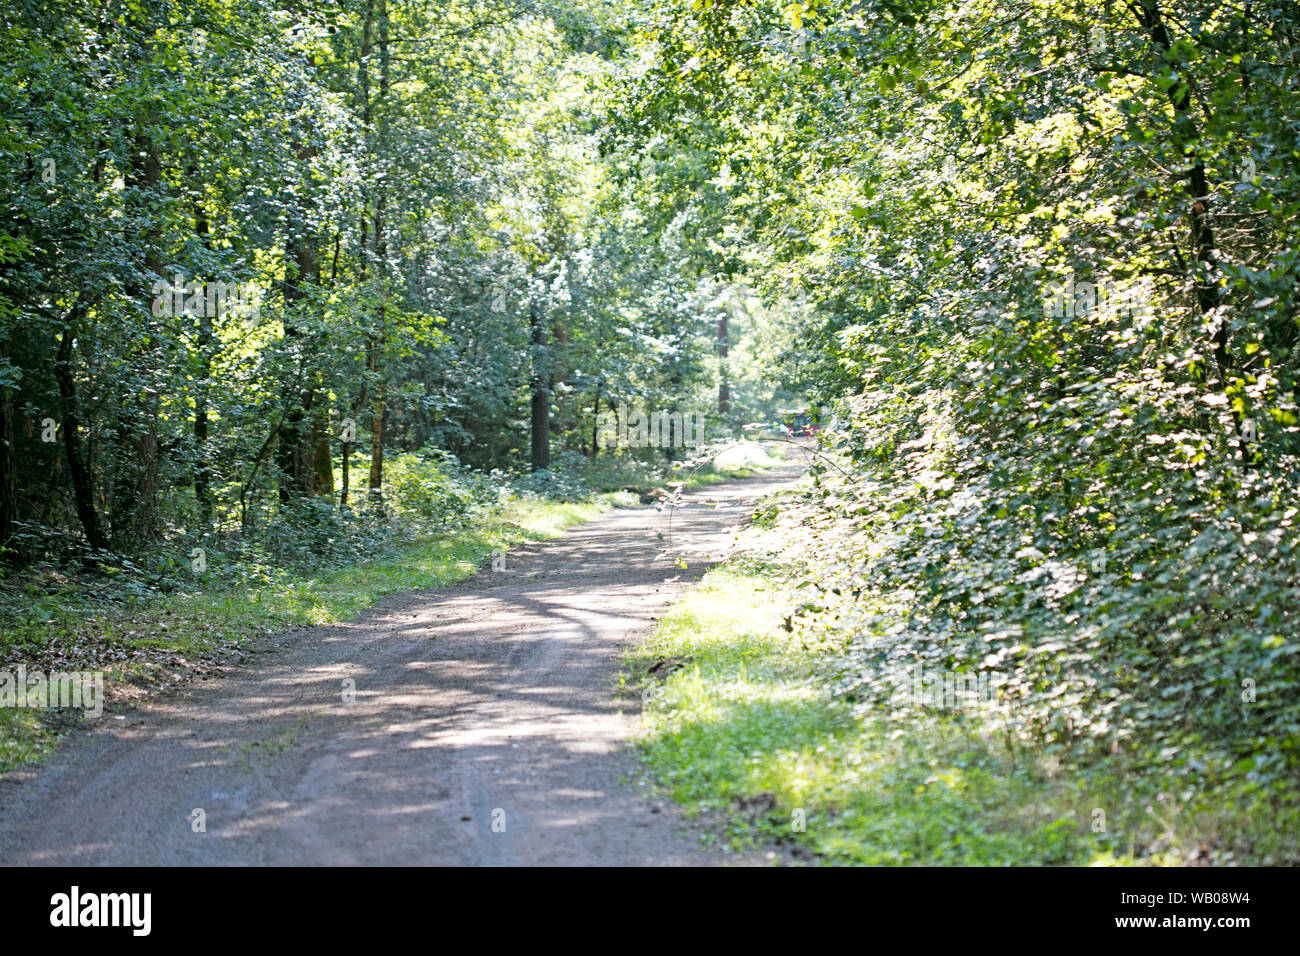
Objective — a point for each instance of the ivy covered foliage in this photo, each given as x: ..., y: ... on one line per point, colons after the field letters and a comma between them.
x: 1049, y: 251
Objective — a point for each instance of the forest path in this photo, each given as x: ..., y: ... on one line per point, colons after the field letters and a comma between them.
x: 491, y: 702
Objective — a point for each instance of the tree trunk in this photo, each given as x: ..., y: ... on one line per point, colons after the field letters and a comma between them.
x: 299, y: 438
x: 541, y: 397
x: 376, y: 430
x: 323, y: 480
x: 8, y: 480
x: 376, y: 21
x: 202, y: 467
x: 1198, y: 190
x: 135, y: 518
x: 724, y: 378
x: 82, y: 493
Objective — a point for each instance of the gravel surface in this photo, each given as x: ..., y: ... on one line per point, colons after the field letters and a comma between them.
x: 486, y: 727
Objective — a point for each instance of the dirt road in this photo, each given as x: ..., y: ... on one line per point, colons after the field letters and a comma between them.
x: 485, y: 727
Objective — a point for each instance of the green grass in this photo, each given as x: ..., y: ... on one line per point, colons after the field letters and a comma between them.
x: 26, y: 736
x: 199, y: 621
x: 747, y: 725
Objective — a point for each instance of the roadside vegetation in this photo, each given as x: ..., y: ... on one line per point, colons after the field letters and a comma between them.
x: 800, y: 699
x: 1046, y: 256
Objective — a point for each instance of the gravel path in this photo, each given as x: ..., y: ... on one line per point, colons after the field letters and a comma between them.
x: 485, y: 728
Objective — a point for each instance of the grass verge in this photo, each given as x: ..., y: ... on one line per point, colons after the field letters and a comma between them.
x: 739, y: 719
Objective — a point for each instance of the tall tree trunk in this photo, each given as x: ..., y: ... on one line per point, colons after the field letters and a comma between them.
x: 299, y: 439
x: 346, y: 455
x: 541, y: 393
x: 323, y: 457
x: 375, y: 353
x: 8, y: 478
x: 378, y: 341
x: 82, y: 493
x: 373, y: 347
x: 559, y: 356
x: 202, y: 466
x: 135, y: 521
x: 1204, y: 250
x: 346, y: 460
x: 724, y: 375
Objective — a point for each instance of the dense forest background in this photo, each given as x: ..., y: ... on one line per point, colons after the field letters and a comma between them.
x: 1040, y: 257
x: 252, y: 252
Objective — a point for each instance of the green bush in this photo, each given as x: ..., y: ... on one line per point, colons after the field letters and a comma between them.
x: 433, y: 486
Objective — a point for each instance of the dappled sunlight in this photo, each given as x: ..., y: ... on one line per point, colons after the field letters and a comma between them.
x: 923, y: 378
